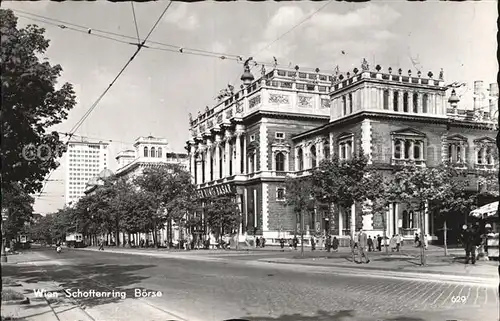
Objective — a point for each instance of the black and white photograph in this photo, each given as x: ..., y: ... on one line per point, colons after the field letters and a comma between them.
x: 249, y: 160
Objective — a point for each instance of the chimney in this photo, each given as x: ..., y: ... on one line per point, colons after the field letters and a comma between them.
x: 493, y: 99
x: 478, y: 91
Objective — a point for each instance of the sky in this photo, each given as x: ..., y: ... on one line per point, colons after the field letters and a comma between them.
x: 159, y: 88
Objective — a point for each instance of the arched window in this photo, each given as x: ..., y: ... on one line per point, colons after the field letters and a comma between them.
x: 146, y: 154
x: 407, y: 149
x: 480, y: 156
x: 153, y: 152
x: 344, y: 105
x: 415, y: 103
x: 489, y: 156
x: 212, y: 162
x: 406, y: 219
x: 300, y: 157
x: 398, y: 147
x: 280, y: 162
x: 425, y: 99
x: 251, y: 165
x: 350, y: 103
x: 313, y: 157
x: 417, y: 153
x: 326, y: 150
x: 459, y: 154
x: 405, y: 102
x: 386, y: 99
x: 160, y: 155
x: 450, y: 153
x: 395, y: 101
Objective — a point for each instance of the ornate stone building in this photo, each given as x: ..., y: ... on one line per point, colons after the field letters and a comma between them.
x: 287, y: 121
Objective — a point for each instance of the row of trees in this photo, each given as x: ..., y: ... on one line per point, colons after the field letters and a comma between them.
x: 158, y: 198
x: 443, y: 190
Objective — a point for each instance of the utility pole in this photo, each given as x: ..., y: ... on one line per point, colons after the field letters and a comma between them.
x: 5, y: 215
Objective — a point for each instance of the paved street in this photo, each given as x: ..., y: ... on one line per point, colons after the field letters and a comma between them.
x: 221, y: 290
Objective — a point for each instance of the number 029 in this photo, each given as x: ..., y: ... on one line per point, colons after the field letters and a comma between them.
x: 458, y: 299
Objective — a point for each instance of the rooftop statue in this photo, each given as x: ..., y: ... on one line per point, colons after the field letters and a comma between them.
x: 246, y: 64
x: 441, y: 74
x: 231, y: 88
x: 263, y: 70
x: 364, y: 65
x: 190, y: 117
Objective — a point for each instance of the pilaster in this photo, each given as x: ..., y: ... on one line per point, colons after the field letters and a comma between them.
x: 263, y: 144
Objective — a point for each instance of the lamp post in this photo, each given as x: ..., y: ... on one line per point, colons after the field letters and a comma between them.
x: 5, y: 214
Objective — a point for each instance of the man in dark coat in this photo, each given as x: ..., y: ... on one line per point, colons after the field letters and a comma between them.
x: 471, y: 239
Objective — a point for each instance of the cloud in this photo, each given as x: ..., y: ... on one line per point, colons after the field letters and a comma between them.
x: 361, y: 32
x: 180, y: 16
x: 219, y: 47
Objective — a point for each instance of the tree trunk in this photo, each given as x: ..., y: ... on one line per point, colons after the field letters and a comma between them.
x: 301, y: 234
x: 445, y: 237
x: 422, y: 234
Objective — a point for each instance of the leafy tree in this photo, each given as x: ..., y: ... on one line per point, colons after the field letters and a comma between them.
x: 418, y: 186
x: 341, y: 182
x: 299, y: 196
x: 30, y: 104
x: 222, y: 214
x: 167, y: 188
x: 41, y: 230
x: 20, y: 209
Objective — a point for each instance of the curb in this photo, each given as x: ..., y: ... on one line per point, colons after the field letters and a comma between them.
x: 475, y: 278
x: 160, y: 254
x: 26, y: 300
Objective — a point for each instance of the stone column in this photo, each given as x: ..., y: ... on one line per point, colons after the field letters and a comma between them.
x: 238, y: 167
x: 227, y: 152
x: 199, y: 165
x: 401, y: 100
x: 419, y: 103
x: 422, y: 151
x: 245, y: 158
x: 464, y: 154
x: 319, y: 152
x: 393, y: 148
x: 410, y: 102
x: 380, y: 100
x: 483, y: 154
x: 217, y: 145
x: 192, y: 159
x: 208, y: 158
x: 412, y: 145
x: 390, y: 103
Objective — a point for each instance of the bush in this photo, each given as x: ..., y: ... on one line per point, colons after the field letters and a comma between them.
x: 10, y: 295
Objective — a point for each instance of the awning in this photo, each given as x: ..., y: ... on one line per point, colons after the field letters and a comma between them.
x: 486, y: 210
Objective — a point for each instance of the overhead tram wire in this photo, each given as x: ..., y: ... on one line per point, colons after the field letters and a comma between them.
x: 79, y: 123
x: 63, y: 24
x: 287, y: 32
x: 168, y: 47
x: 139, y: 47
x: 135, y: 22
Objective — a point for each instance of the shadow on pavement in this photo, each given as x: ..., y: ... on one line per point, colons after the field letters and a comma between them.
x: 344, y: 315
x: 113, y: 280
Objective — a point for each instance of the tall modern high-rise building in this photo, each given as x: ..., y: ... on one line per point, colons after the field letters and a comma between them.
x: 84, y: 160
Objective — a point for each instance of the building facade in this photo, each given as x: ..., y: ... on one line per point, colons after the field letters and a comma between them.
x: 84, y: 160
x: 287, y: 121
x: 148, y: 152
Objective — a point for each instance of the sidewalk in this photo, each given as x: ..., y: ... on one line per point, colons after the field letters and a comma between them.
x: 450, y: 265
x: 40, y: 308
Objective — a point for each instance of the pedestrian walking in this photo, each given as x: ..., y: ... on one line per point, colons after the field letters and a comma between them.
x: 392, y: 243
x: 295, y: 242
x: 313, y: 244
x: 257, y: 242
x: 379, y: 243
x: 101, y: 245
x: 417, y: 240
x: 282, y: 244
x: 328, y: 243
x: 362, y: 245
x: 370, y: 244
x: 399, y: 239
x: 469, y: 240
x: 335, y: 244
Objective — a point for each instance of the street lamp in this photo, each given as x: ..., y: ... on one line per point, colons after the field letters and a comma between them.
x: 5, y: 214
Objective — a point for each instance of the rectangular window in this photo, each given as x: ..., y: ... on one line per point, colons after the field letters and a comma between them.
x: 252, y: 138
x: 280, y: 194
x: 280, y: 135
